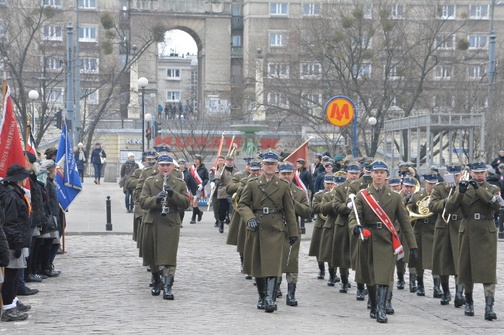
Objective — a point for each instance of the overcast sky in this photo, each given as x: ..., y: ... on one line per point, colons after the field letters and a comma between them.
x: 179, y: 41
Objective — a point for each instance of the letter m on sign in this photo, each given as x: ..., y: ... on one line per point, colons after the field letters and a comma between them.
x: 338, y: 114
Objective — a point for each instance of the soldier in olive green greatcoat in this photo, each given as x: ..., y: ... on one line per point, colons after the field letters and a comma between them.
x: 477, y: 261
x: 163, y: 195
x: 267, y: 208
x: 376, y: 254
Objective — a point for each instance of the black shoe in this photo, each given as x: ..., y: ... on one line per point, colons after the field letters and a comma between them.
x: 420, y: 291
x: 381, y: 301
x: 192, y: 221
x: 167, y: 288
x: 400, y: 284
x: 248, y: 277
x: 216, y: 223
x: 331, y: 281
x: 321, y: 274
x: 336, y: 279
x: 360, y: 295
x: 437, y: 293
x: 459, y: 296
x: 271, y: 288
x: 33, y: 278
x: 412, y: 283
x: 446, y: 298
x: 221, y: 227
x: 489, y: 313
x: 22, y: 307
x: 51, y: 273
x: 469, y: 307
x: 27, y: 291
x: 157, y: 284
x: 200, y: 214
x: 389, y: 310
x: 291, y: 295
x: 14, y: 314
x: 261, y: 289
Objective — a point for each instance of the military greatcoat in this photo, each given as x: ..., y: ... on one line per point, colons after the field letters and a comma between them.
x: 161, y: 233
x: 445, y: 249
x: 234, y: 190
x: 341, y: 238
x: 137, y: 214
x: 263, y: 250
x: 424, y: 234
x: 375, y: 259
x: 147, y: 172
x: 317, y: 227
x: 477, y: 261
x: 325, y: 252
x: 303, y: 211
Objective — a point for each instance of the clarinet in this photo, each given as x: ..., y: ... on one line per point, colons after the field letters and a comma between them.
x: 164, y: 203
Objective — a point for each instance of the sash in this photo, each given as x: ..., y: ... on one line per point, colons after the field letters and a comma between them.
x: 300, y: 183
x: 198, y: 179
x: 396, y: 243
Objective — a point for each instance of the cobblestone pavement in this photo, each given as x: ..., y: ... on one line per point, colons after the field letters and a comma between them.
x: 104, y: 289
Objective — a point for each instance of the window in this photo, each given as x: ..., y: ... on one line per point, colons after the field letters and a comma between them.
x: 2, y: 31
x: 442, y: 72
x: 445, y: 42
x: 477, y: 71
x: 236, y: 41
x: 236, y: 10
x: 394, y: 73
x: 89, y: 65
x: 53, y: 3
x: 87, y: 3
x: 278, y: 70
x: 397, y: 12
x: 52, y: 63
x: 310, y: 70
x: 56, y: 95
x: 172, y: 96
x: 90, y: 95
x: 173, y: 74
x: 444, y: 101
x: 477, y: 42
x: 278, y: 99
x: 52, y: 33
x: 368, y: 11
x: 363, y: 72
x: 278, y: 8
x: 278, y: 39
x: 366, y: 41
x: 478, y: 12
x: 87, y: 34
x: 311, y: 9
x: 446, y: 12
x: 312, y: 99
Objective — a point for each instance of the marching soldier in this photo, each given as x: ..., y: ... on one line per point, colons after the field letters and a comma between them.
x: 200, y: 174
x: 408, y: 188
x: 326, y: 239
x: 445, y: 252
x: 423, y: 227
x: 319, y: 222
x: 376, y: 210
x: 224, y: 176
x: 477, y: 261
x: 162, y: 196
x: 267, y: 208
x: 291, y: 252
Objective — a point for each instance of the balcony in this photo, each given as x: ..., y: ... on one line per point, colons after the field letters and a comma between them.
x: 237, y: 23
x: 236, y: 52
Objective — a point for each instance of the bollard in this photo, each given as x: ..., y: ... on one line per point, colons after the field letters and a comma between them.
x: 501, y: 222
x: 108, y: 226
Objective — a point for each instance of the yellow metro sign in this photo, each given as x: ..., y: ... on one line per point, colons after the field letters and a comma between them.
x: 340, y: 111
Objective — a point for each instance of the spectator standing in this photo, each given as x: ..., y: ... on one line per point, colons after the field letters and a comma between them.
x: 192, y: 186
x: 498, y: 160
x: 80, y: 159
x: 98, y: 159
x: 187, y: 110
x: 127, y: 169
x: 180, y: 109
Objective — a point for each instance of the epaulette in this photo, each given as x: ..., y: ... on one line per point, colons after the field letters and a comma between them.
x: 149, y: 177
x: 251, y: 179
x: 320, y: 191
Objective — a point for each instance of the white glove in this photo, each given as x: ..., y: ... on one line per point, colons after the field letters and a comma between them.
x: 200, y: 187
x: 212, y: 185
x: 349, y: 205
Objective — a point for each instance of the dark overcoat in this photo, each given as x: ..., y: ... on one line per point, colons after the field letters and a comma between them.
x: 317, y: 226
x: 424, y: 233
x: 325, y: 252
x: 341, y: 238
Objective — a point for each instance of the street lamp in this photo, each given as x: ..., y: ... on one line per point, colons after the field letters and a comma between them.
x: 372, y: 122
x: 142, y: 83
x: 148, y: 134
x: 33, y: 95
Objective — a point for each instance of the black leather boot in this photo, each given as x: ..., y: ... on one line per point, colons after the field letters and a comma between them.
x: 360, y: 292
x: 194, y: 213
x: 469, y: 307
x: 381, y: 300
x: 420, y: 290
x: 221, y: 227
x: 389, y: 310
x: 332, y: 277
x: 261, y: 289
x: 437, y: 293
x: 291, y: 295
x: 412, y: 283
x: 459, y: 296
x: 216, y: 223
x: 400, y: 281
x: 446, y: 298
x: 157, y: 284
x: 372, y: 301
x: 278, y: 289
x: 200, y: 214
x: 271, y: 285
x: 167, y: 292
x: 321, y: 273
x: 489, y: 313
x: 344, y: 284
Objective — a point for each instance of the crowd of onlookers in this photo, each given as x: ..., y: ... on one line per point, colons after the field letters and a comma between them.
x: 32, y: 223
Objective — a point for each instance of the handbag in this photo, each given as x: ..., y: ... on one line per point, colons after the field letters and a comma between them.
x: 102, y: 159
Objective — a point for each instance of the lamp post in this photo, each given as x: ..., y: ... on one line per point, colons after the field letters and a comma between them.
x: 372, y: 122
x: 148, y: 118
x: 33, y: 95
x: 142, y: 83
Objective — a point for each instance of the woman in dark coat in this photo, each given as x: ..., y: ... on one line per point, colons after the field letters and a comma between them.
x: 97, y: 157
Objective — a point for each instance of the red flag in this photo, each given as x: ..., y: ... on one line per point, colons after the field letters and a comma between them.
x: 11, y: 149
x: 301, y: 152
x: 30, y: 146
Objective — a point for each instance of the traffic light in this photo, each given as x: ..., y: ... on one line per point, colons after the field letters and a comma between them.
x: 157, y: 128
x: 58, y: 119
x: 148, y: 134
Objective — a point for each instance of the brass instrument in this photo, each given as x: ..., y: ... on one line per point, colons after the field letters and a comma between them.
x: 234, y: 200
x: 452, y: 185
x: 164, y: 203
x: 423, y: 209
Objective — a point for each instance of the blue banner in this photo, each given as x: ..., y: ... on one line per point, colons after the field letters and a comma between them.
x: 68, y: 181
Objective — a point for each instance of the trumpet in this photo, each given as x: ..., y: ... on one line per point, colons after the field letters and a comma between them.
x: 164, y: 203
